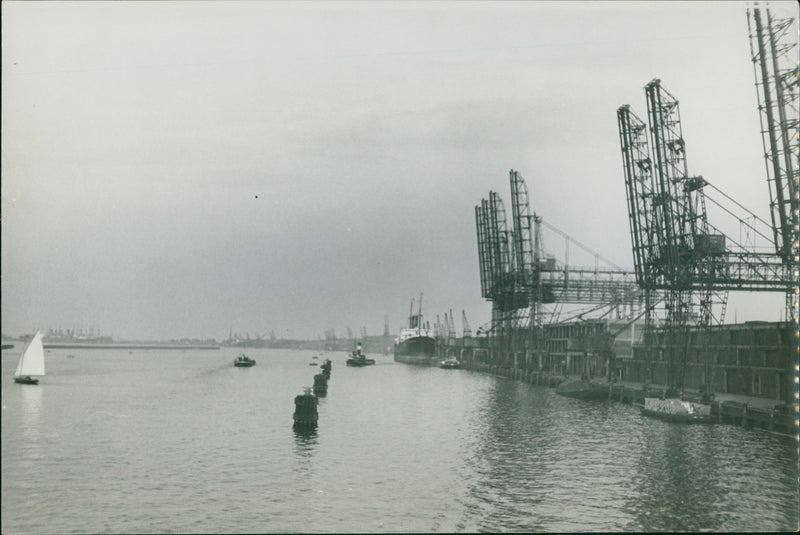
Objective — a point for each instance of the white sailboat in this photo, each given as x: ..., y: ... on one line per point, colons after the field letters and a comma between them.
x: 31, y: 362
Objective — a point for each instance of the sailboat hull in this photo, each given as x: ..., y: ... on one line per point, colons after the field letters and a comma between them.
x: 26, y: 380
x: 31, y: 362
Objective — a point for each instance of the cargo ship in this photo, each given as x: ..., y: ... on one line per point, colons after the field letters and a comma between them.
x: 416, y: 343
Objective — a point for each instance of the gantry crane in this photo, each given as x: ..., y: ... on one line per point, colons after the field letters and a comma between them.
x: 519, y: 279
x: 467, y: 332
x: 677, y: 252
x: 773, y: 48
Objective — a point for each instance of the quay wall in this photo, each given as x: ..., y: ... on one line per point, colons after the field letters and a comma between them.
x: 749, y: 359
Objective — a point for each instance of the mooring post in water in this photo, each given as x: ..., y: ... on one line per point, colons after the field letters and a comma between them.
x: 320, y: 384
x: 305, y: 409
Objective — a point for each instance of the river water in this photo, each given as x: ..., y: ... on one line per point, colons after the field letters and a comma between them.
x: 113, y: 441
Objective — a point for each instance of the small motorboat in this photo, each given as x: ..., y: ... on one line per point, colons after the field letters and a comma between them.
x: 450, y: 363
x: 357, y: 358
x: 243, y: 361
x: 676, y: 410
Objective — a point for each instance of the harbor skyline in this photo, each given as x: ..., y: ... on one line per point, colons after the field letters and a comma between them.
x: 180, y: 169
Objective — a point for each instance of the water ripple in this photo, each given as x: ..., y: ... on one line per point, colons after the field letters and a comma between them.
x: 159, y: 442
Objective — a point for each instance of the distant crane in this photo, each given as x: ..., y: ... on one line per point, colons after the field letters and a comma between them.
x: 450, y: 325
x: 467, y: 330
x: 519, y: 278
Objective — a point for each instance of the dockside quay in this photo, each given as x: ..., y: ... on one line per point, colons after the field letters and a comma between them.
x: 751, y: 370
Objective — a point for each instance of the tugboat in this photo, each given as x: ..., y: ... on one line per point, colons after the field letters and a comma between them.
x: 305, y: 410
x: 357, y: 358
x: 450, y: 363
x: 243, y: 361
x: 416, y: 343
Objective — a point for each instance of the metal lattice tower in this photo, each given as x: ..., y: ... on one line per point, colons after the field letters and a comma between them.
x: 673, y: 248
x: 773, y: 48
x: 676, y: 249
x: 518, y: 282
x: 689, y: 245
x: 467, y: 332
x: 495, y: 265
x: 528, y: 278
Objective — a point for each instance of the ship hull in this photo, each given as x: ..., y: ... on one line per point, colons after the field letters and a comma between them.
x: 416, y: 350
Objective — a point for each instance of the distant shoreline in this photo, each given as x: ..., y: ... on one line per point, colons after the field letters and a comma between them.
x: 127, y: 346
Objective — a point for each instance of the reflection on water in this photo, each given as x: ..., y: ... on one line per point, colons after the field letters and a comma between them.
x: 30, y: 399
x: 30, y: 403
x: 702, y: 478
x: 677, y: 482
x: 168, y: 442
x: 305, y: 441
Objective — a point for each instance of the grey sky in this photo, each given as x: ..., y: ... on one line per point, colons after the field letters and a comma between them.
x: 177, y: 169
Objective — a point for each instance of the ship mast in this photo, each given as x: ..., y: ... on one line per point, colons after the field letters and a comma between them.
x: 419, y: 315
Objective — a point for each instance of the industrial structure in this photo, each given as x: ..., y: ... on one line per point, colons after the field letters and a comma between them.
x: 685, y: 258
x: 527, y: 286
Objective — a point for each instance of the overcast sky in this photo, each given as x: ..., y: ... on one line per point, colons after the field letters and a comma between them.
x: 177, y: 169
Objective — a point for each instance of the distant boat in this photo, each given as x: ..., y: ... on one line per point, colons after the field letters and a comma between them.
x: 416, y: 343
x: 357, y: 358
x: 31, y: 362
x: 243, y: 361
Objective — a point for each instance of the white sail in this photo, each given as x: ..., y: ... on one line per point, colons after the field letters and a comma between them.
x: 32, y: 360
